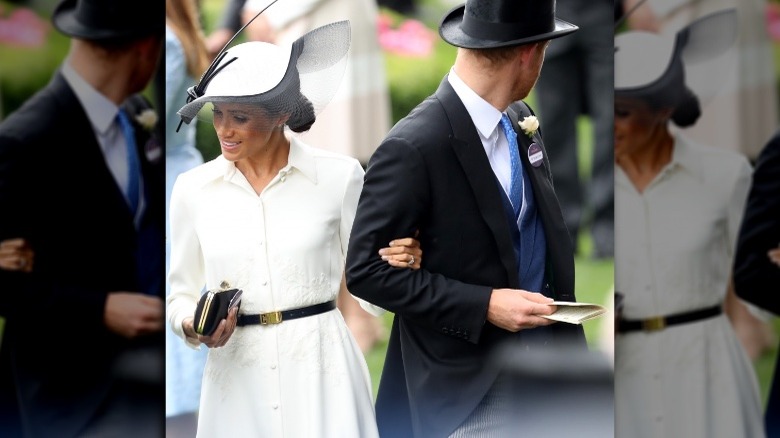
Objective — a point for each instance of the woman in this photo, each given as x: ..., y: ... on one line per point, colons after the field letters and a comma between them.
x: 740, y: 109
x: 272, y: 216
x: 680, y: 369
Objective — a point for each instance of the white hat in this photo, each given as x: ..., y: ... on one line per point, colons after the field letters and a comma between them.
x: 297, y: 80
x: 652, y: 66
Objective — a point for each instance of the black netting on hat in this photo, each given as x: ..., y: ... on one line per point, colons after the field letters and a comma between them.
x: 274, y: 85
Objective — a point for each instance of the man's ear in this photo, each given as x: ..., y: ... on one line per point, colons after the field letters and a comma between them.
x: 151, y: 46
x: 528, y: 51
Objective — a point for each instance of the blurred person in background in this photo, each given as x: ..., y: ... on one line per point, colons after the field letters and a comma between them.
x: 576, y: 80
x: 186, y: 58
x: 739, y: 98
x: 680, y: 369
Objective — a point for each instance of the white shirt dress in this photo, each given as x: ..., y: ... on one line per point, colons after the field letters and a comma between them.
x: 286, y: 249
x: 674, y: 248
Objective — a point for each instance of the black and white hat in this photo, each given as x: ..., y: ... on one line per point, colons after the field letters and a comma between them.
x: 297, y: 80
x: 653, y: 67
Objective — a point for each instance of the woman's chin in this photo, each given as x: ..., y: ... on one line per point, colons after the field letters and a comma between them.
x: 230, y: 154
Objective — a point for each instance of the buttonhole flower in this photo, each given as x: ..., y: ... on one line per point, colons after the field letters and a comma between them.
x: 529, y: 125
x: 147, y: 118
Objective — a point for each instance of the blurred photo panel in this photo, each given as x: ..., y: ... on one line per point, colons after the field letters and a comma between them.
x: 696, y: 102
x: 82, y: 235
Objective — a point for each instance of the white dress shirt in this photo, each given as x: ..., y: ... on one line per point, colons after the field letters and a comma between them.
x: 487, y: 120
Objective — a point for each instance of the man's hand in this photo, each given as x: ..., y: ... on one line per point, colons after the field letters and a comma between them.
x: 133, y: 314
x: 515, y: 309
x: 220, y: 336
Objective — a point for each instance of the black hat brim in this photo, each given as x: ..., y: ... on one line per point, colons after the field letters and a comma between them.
x: 66, y: 21
x: 451, y: 32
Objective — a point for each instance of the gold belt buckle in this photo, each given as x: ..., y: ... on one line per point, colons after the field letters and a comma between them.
x: 271, y: 318
x: 654, y: 324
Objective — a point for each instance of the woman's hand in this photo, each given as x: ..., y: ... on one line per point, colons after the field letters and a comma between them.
x: 220, y: 336
x: 403, y: 253
x: 774, y: 255
x: 16, y: 255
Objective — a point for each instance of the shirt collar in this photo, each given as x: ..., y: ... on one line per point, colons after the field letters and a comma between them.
x: 685, y: 157
x: 100, y: 110
x: 301, y: 157
x: 484, y: 115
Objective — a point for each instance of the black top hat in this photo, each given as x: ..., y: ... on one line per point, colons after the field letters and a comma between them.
x: 483, y: 24
x: 109, y: 19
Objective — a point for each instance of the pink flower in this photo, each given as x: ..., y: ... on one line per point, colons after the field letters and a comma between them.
x: 773, y: 20
x: 411, y: 38
x: 23, y: 28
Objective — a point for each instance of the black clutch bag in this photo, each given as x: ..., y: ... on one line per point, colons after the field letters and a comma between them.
x: 213, y: 307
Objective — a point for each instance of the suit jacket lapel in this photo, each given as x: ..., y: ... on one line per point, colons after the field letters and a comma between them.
x: 471, y: 155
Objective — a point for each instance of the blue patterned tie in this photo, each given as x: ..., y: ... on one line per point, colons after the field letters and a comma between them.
x: 133, y: 183
x: 516, y: 183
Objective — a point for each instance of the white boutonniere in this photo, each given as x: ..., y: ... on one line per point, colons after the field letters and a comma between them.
x: 147, y: 118
x: 529, y: 125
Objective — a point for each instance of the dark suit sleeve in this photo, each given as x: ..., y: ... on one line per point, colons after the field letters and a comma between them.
x: 25, y: 293
x: 12, y: 223
x: 755, y: 276
x: 393, y: 204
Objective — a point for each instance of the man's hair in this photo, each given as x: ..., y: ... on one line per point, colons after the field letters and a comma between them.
x: 497, y: 55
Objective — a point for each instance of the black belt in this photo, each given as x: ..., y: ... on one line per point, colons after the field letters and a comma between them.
x: 661, y: 322
x: 285, y: 315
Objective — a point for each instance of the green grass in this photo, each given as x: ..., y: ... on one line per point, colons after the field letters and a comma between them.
x: 765, y: 366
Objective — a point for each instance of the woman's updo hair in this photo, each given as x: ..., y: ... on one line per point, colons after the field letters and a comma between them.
x: 303, y: 118
x: 687, y: 111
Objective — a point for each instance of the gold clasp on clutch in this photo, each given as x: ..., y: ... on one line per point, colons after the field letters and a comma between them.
x: 654, y: 324
x: 271, y: 318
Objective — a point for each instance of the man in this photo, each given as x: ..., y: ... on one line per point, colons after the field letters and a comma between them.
x: 83, y: 335
x: 495, y: 251
x: 576, y: 80
x: 756, y: 275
